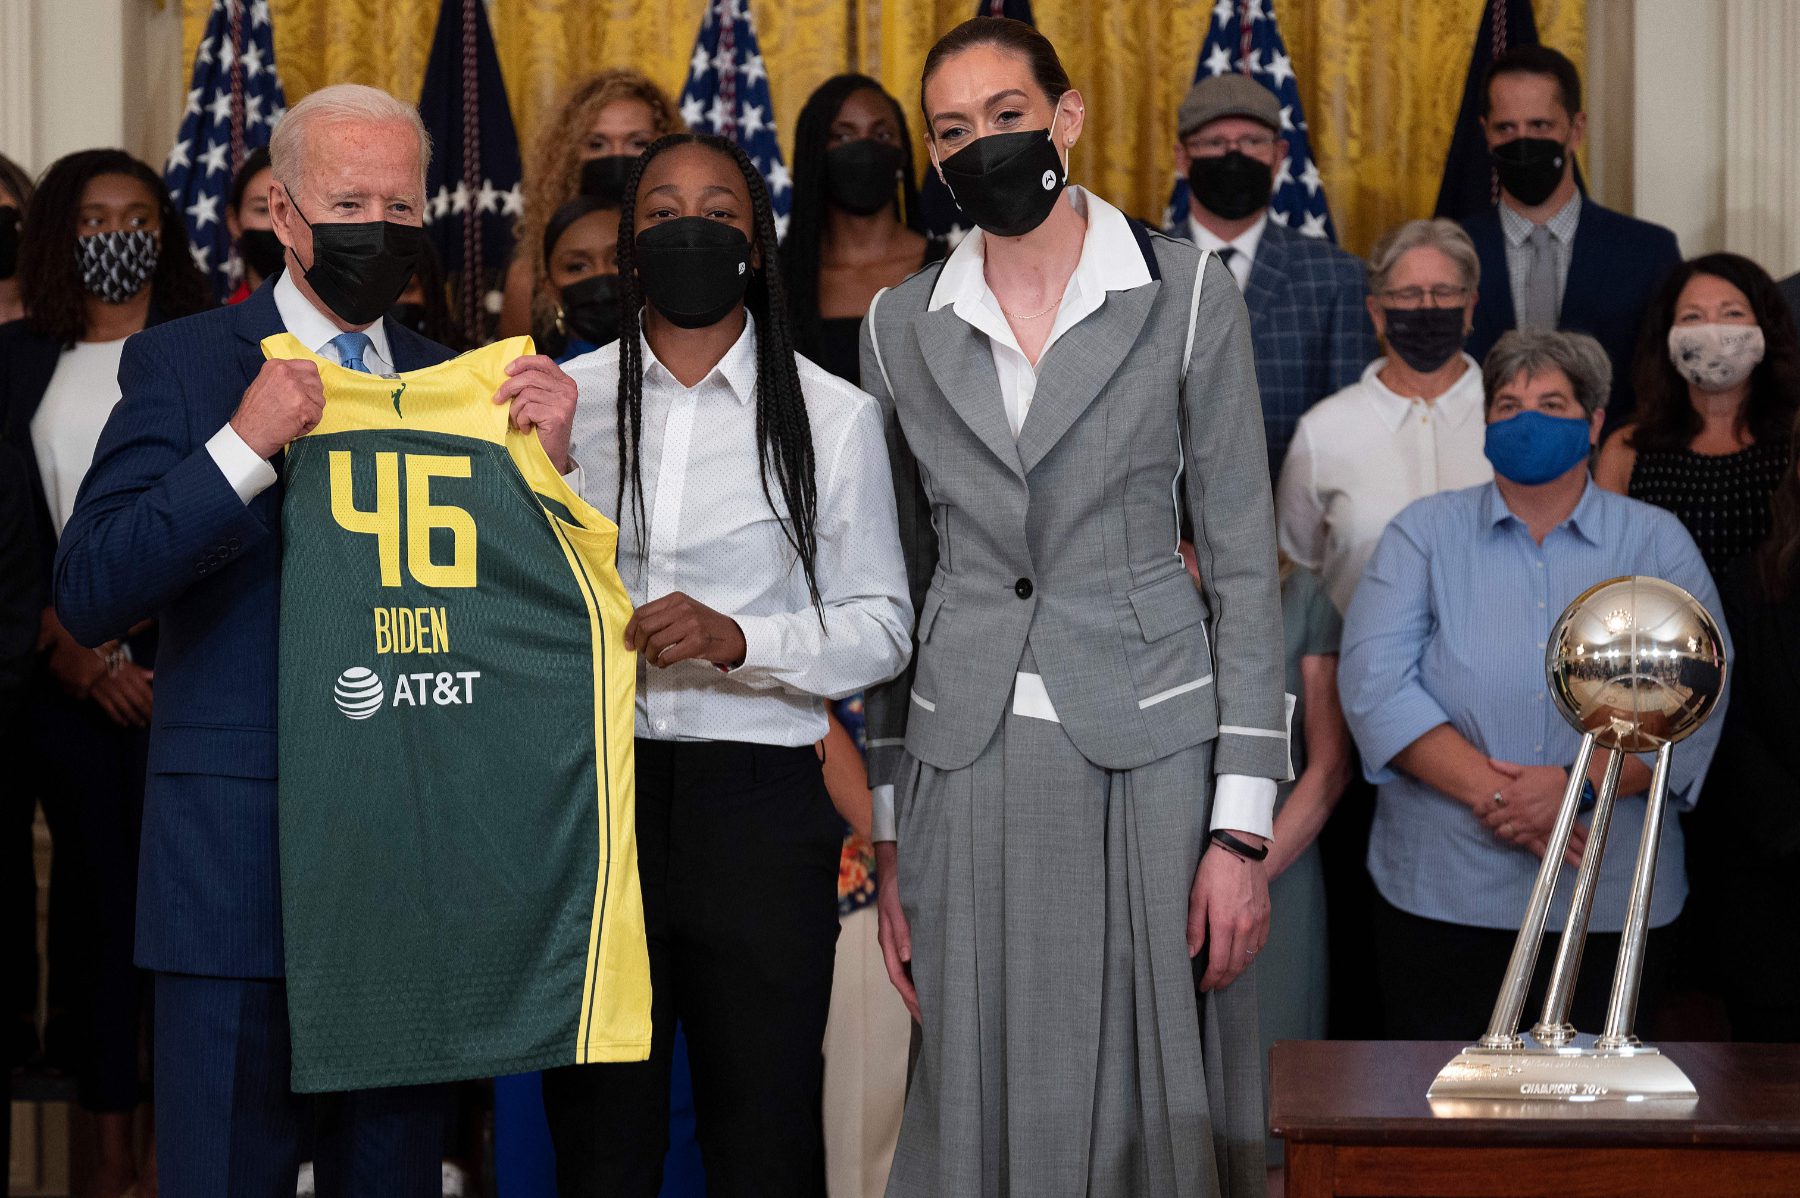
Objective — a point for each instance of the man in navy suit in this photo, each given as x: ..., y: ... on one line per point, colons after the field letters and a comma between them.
x: 1308, y: 324
x: 179, y: 519
x: 1550, y: 257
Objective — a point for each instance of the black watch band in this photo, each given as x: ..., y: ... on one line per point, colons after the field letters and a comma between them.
x: 1241, y: 847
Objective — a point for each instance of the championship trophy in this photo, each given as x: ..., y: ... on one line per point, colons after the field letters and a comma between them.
x: 1636, y: 664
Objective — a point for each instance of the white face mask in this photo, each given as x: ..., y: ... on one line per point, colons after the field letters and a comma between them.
x: 1715, y: 357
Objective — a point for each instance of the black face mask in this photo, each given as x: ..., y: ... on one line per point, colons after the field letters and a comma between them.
x: 694, y: 270
x: 1007, y: 182
x: 862, y: 177
x: 1231, y: 186
x: 359, y: 269
x: 605, y: 178
x: 262, y: 251
x: 410, y: 315
x: 1530, y: 168
x: 1425, y: 338
x: 9, y: 241
x: 590, y: 309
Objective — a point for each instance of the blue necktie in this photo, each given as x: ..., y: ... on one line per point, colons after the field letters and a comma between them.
x: 351, y: 347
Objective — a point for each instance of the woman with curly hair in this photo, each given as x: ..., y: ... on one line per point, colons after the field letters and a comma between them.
x: 587, y: 149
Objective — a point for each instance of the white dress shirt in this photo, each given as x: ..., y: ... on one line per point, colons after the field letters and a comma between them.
x: 66, y: 427
x: 248, y: 472
x: 1243, y: 246
x: 711, y: 534
x: 1111, y: 260
x: 1360, y: 456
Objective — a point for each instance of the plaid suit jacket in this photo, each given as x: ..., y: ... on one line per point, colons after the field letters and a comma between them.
x: 1308, y: 325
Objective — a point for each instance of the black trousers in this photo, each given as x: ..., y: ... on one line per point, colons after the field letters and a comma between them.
x: 1439, y: 980
x: 738, y: 850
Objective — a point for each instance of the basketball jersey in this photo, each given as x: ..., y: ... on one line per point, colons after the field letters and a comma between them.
x: 458, y: 852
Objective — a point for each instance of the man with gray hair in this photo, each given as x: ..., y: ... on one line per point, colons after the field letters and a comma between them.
x: 179, y: 520
x: 1442, y: 680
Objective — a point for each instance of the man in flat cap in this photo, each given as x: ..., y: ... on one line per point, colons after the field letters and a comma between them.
x: 1307, y: 317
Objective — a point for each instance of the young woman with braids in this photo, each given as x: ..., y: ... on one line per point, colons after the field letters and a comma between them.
x: 854, y: 227
x: 757, y: 536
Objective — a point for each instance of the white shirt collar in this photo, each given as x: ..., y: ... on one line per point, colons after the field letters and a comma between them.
x: 1461, y: 401
x: 1110, y: 261
x: 315, y: 330
x: 737, y: 369
x: 1244, y: 243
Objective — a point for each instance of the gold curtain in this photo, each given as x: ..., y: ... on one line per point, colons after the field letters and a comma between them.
x: 1380, y: 79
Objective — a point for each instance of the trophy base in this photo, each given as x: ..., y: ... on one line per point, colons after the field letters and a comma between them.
x: 1534, y: 1076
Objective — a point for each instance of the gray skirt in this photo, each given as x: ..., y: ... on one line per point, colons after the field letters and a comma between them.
x: 1063, y: 1051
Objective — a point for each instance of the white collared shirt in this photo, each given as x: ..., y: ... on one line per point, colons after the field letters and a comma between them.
x: 1111, y: 260
x: 710, y: 533
x: 1360, y: 456
x: 1243, y: 246
x: 248, y: 472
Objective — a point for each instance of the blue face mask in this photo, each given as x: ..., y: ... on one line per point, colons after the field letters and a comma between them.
x: 1533, y: 448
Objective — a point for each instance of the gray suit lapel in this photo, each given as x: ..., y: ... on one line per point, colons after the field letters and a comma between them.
x: 962, y: 363
x: 1076, y: 369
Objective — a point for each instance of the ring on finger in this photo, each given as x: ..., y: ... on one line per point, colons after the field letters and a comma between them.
x: 1499, y: 799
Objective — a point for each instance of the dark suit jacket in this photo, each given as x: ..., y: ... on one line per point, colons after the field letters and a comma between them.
x: 1617, y: 265
x: 1790, y: 291
x: 1308, y: 326
x: 158, y: 531
x: 20, y: 596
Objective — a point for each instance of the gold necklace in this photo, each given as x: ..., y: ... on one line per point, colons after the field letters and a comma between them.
x: 1054, y: 305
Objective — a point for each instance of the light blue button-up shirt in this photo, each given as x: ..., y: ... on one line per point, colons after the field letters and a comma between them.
x: 1448, y: 625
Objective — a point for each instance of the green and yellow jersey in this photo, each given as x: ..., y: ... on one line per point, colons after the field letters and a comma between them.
x: 458, y: 856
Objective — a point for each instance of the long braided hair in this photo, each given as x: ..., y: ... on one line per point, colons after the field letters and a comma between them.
x: 783, y: 432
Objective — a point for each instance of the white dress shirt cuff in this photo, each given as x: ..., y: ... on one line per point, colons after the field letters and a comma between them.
x: 881, y: 814
x: 248, y: 474
x: 1244, y: 804
x: 762, y: 643
x: 573, y: 477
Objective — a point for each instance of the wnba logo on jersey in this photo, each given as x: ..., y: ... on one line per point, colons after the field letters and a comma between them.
x: 359, y: 692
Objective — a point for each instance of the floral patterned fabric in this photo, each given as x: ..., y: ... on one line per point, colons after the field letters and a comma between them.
x: 856, y: 867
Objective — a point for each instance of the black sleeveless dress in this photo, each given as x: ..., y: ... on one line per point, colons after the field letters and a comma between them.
x: 840, y: 337
x: 1722, y: 499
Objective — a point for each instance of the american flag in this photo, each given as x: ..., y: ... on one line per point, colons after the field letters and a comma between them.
x: 232, y: 106
x: 473, y: 179
x: 1242, y: 36
x: 727, y: 93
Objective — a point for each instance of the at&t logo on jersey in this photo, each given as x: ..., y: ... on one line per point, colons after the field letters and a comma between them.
x: 360, y: 692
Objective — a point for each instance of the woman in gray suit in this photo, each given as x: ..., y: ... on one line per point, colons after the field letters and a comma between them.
x: 1075, y: 779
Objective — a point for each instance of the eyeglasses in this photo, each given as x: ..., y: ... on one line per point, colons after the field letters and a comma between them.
x: 1444, y: 295
x: 1217, y: 147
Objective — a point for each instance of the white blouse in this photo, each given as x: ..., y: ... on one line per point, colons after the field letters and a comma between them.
x: 1360, y: 456
x: 66, y: 427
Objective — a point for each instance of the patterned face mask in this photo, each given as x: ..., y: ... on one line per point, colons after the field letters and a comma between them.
x: 116, y: 266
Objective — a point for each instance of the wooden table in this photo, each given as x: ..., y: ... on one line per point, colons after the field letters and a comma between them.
x: 1355, y: 1120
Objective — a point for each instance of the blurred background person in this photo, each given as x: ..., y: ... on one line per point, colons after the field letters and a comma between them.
x: 1292, y: 971
x: 854, y: 227
x: 104, y: 254
x: 247, y: 217
x: 1305, y: 295
x: 1756, y: 776
x: 1552, y: 258
x: 15, y: 195
x: 1718, y: 387
x: 424, y: 307
x: 1410, y: 427
x: 1443, y: 686
x: 581, y: 278
x: 587, y: 148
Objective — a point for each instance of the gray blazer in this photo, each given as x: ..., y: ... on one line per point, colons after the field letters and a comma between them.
x: 1065, y: 540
